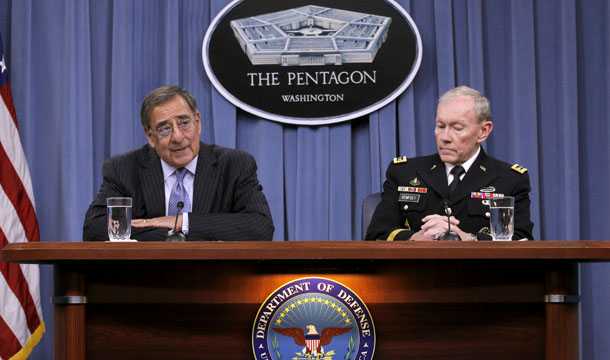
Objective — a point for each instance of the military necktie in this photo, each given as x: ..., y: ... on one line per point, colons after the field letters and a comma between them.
x: 457, y: 171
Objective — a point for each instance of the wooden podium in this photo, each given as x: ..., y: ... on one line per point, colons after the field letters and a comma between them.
x: 428, y: 300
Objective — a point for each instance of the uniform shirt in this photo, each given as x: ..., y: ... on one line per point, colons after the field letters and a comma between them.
x: 417, y: 187
x: 466, y: 165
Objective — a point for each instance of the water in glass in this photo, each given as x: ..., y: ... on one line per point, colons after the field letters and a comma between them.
x: 119, y: 219
x: 502, y: 223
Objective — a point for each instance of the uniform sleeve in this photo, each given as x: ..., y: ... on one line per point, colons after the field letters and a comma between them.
x: 385, y: 223
x: 523, y: 224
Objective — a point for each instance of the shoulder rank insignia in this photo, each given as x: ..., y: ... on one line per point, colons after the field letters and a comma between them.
x: 518, y: 168
x: 398, y: 160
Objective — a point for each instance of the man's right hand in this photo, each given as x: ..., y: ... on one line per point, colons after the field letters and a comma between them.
x: 433, y: 226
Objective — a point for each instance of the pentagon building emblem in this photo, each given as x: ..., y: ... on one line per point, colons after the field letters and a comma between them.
x: 311, y: 35
x: 311, y: 63
x: 313, y: 319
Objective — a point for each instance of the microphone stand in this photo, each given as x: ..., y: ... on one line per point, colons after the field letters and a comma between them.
x: 176, y: 236
x: 449, y: 235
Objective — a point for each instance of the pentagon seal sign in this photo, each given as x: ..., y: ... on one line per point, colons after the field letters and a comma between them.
x: 313, y: 319
x: 311, y: 62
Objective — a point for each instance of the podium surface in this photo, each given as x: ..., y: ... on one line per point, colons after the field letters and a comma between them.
x: 428, y: 300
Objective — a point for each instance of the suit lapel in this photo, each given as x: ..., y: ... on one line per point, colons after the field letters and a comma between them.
x: 206, y: 179
x: 151, y: 180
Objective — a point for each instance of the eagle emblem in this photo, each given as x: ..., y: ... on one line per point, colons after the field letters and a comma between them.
x: 312, y: 341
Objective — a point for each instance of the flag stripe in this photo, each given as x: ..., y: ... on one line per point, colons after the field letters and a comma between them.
x: 21, y: 324
x: 10, y: 344
x: 18, y: 283
x: 14, y: 190
x: 22, y: 279
x: 9, y: 138
x: 312, y: 344
x: 12, y: 313
x: 5, y: 92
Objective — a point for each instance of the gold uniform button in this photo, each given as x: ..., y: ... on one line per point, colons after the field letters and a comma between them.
x: 406, y: 207
x: 487, y: 214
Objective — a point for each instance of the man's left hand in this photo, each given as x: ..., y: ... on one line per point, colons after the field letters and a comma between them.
x: 435, y: 225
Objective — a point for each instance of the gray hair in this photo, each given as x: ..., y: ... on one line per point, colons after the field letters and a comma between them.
x: 482, y: 107
x: 162, y: 95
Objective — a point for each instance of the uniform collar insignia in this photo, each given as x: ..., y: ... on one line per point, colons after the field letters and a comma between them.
x: 483, y: 168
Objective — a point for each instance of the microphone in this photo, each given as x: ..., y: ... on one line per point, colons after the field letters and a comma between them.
x: 176, y: 235
x: 448, y: 235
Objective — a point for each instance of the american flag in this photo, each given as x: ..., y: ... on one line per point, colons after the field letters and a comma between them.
x: 21, y: 324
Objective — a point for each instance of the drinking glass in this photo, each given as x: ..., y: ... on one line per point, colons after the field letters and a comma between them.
x: 119, y: 218
x: 501, y: 221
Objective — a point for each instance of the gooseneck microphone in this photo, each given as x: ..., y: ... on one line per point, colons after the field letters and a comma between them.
x: 176, y: 235
x: 448, y: 235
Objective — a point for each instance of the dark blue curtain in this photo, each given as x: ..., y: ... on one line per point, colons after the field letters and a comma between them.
x: 80, y: 69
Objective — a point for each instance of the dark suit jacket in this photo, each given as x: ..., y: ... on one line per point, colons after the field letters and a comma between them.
x: 428, y: 172
x: 228, y: 203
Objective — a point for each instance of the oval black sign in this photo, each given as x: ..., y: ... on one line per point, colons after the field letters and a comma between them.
x: 311, y: 62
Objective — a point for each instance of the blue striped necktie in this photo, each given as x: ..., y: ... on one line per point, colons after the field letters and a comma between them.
x: 179, y: 194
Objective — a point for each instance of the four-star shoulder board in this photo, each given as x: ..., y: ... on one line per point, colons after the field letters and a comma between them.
x: 398, y: 160
x: 518, y: 168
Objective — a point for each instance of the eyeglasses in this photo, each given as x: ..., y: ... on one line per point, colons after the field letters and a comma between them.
x: 164, y: 131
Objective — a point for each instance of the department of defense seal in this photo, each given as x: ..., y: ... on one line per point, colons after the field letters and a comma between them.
x: 313, y: 319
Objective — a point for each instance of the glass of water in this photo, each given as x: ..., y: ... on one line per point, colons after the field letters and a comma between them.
x: 119, y: 218
x: 501, y: 221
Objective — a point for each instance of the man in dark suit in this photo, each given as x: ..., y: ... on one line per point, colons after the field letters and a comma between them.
x: 222, y: 197
x: 459, y: 180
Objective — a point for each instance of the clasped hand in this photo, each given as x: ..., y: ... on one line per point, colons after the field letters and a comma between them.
x: 434, y: 225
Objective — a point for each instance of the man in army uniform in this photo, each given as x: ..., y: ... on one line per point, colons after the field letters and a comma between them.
x: 459, y: 180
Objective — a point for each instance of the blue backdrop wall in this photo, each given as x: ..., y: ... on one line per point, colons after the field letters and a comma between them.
x: 80, y: 69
